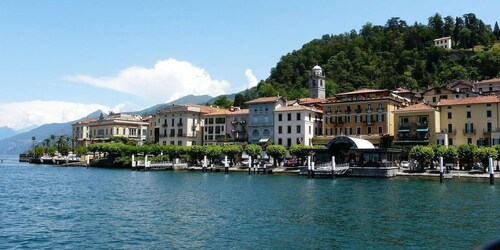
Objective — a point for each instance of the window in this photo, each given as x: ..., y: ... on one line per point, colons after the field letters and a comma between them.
x: 369, y: 130
x: 449, y: 115
x: 280, y: 141
x: 488, y: 113
x: 255, y: 133
x: 468, y: 114
x: 298, y: 116
x: 380, y: 130
x: 298, y: 129
x: 289, y: 129
x: 266, y: 132
x: 433, y: 99
x: 179, y: 143
x: 288, y: 142
x: 469, y: 140
x: 450, y: 141
x: 358, y: 131
x: 450, y: 127
x: 280, y: 117
x: 280, y: 130
x: 309, y: 129
x: 289, y: 116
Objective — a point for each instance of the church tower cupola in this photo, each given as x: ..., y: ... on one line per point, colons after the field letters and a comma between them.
x: 317, y: 83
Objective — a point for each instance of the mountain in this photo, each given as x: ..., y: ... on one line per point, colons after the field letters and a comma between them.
x: 6, y: 132
x: 230, y: 97
x: 21, y: 142
x: 194, y: 99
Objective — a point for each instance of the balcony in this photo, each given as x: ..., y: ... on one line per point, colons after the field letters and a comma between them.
x: 448, y: 131
x: 418, y: 139
x: 171, y: 134
x: 357, y: 110
x: 404, y: 124
x: 179, y: 124
x: 164, y: 125
x: 369, y: 110
x: 380, y: 110
x: 469, y: 131
x: 348, y: 111
x: 369, y: 122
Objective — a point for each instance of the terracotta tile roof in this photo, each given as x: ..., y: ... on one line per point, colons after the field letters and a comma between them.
x: 415, y: 107
x: 86, y: 121
x: 218, y: 112
x: 470, y: 100
x: 297, y: 108
x: 494, y: 80
x: 310, y: 100
x: 362, y: 91
x: 264, y: 100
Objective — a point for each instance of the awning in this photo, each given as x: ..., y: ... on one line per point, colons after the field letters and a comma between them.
x: 422, y: 129
x: 404, y: 130
x: 263, y: 140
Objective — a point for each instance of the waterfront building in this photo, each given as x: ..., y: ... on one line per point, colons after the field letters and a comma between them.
x: 236, y: 124
x: 473, y: 120
x: 297, y: 124
x: 214, y: 129
x: 365, y: 113
x: 81, y: 132
x: 179, y: 125
x: 443, y: 42
x: 261, y: 118
x: 416, y: 125
x: 118, y: 125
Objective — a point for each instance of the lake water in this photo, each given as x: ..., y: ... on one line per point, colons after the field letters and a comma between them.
x: 57, y: 207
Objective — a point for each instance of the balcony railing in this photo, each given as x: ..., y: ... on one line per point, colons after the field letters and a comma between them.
x: 164, y: 125
x: 357, y: 110
x: 380, y: 110
x: 469, y: 131
x: 171, y: 134
x: 449, y: 131
x: 179, y: 124
x: 402, y: 137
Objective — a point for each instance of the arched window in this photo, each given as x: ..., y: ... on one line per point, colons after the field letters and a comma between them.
x: 380, y: 107
x: 358, y: 108
x: 314, y: 83
x: 266, y: 132
x: 255, y: 133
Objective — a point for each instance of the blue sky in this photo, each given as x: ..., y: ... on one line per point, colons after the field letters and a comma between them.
x: 63, y: 59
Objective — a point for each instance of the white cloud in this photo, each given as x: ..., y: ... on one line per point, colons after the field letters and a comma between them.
x: 20, y: 115
x: 252, y: 80
x: 166, y: 81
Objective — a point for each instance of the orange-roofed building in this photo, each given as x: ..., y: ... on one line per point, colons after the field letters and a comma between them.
x: 365, y: 113
x: 472, y: 120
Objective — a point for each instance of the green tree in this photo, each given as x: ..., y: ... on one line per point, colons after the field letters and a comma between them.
x: 196, y: 153
x: 223, y: 102
x: 213, y: 152
x: 438, y: 151
x: 231, y: 151
x: 422, y: 154
x: 450, y: 154
x: 278, y: 152
x: 239, y: 100
x: 496, y: 31
x: 467, y: 153
x: 436, y: 24
x: 484, y: 154
x: 254, y: 151
x: 39, y: 151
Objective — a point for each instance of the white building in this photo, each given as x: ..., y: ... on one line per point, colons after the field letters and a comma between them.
x: 296, y: 124
x: 178, y: 125
x: 443, y: 42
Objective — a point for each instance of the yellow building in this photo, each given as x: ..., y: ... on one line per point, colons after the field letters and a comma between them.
x: 366, y: 113
x: 118, y: 125
x: 473, y: 120
x: 81, y: 132
x: 416, y: 125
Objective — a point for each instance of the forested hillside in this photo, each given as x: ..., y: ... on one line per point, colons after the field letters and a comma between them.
x: 389, y: 56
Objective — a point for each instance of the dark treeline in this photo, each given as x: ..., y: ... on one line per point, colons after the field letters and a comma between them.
x: 389, y: 56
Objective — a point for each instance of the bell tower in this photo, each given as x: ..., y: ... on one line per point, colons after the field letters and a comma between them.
x: 317, y: 83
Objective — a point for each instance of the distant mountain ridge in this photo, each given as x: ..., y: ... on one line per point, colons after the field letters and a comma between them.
x: 18, y: 143
x: 194, y: 99
x: 21, y: 142
x: 6, y: 132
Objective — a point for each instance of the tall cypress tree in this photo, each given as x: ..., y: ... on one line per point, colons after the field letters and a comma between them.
x: 496, y: 31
